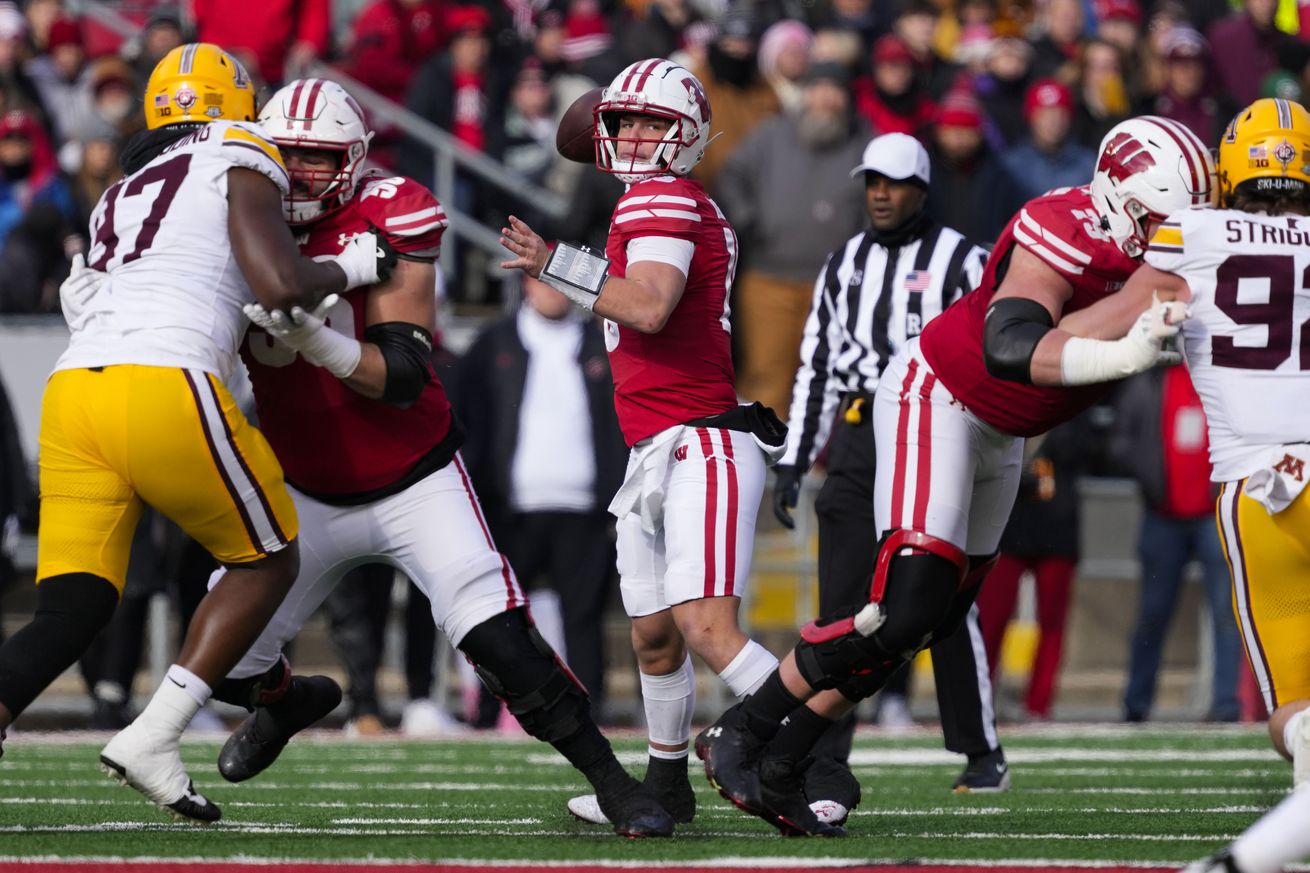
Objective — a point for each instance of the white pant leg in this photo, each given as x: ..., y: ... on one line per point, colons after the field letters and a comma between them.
x: 640, y: 562
x: 941, y: 470
x: 331, y: 538
x: 435, y: 532
x: 710, y: 506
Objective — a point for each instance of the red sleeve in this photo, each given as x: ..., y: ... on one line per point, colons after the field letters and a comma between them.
x: 407, y: 214
x: 314, y: 24
x: 659, y: 208
x: 1050, y: 228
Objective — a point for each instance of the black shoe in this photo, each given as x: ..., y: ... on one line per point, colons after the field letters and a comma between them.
x: 782, y: 797
x: 831, y: 784
x: 731, y: 752
x: 634, y: 811
x: 258, y: 740
x: 668, y: 781
x: 986, y: 774
x: 110, y: 716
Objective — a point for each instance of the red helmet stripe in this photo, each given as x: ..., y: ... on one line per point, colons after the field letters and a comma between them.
x: 641, y: 83
x: 310, y: 101
x: 293, y: 111
x: 1188, y: 148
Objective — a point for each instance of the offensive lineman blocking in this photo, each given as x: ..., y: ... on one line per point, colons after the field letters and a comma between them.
x: 686, y: 511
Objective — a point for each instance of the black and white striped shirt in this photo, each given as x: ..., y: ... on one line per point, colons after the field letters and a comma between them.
x: 868, y: 301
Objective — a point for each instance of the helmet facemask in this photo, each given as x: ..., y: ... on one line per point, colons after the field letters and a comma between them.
x: 315, y: 192
x: 631, y: 169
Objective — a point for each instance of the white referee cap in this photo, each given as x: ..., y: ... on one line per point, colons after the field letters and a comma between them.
x: 897, y: 156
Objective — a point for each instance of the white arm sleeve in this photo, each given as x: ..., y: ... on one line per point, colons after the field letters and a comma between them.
x: 665, y: 249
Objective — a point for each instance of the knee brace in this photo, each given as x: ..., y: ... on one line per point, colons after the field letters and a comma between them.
x: 71, y: 609
x: 964, y: 600
x: 908, y: 598
x: 266, y: 688
x: 519, y: 666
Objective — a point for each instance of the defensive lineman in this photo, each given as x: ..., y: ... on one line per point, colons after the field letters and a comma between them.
x: 138, y: 411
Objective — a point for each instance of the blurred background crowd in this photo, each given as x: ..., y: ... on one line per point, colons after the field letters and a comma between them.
x: 1010, y: 97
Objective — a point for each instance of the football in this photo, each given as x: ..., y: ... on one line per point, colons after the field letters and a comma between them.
x: 573, y: 137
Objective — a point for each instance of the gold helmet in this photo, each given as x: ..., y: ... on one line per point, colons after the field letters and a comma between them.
x: 198, y: 82
x: 1265, y: 148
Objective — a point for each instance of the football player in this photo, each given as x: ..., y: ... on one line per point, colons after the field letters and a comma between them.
x: 686, y: 511
x: 347, y: 396
x: 1243, y: 268
x: 137, y: 410
x: 950, y: 416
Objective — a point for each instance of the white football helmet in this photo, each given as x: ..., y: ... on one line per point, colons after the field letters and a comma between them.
x: 663, y: 89
x: 318, y: 114
x: 1147, y: 168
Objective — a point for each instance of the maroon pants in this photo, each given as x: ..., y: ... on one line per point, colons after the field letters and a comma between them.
x: 996, y: 603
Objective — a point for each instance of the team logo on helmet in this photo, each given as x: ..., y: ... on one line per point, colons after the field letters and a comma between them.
x: 1124, y: 156
x: 185, y: 98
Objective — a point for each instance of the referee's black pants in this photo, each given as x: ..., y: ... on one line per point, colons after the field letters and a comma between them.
x: 847, y: 548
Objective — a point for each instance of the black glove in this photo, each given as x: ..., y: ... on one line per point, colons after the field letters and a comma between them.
x: 786, y: 493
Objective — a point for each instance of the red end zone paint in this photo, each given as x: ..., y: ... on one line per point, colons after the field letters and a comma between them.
x: 326, y: 867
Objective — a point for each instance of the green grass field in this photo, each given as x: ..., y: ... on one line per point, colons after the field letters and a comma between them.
x: 1140, y: 796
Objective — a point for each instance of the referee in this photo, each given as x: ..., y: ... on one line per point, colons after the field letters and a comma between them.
x: 874, y: 294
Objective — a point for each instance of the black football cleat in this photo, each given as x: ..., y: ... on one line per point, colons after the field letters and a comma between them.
x: 831, y: 789
x: 731, y: 752
x: 668, y: 781
x: 633, y: 810
x: 985, y: 774
x: 258, y: 740
x: 783, y: 803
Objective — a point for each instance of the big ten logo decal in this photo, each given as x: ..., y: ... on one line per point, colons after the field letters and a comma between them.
x: 271, y: 353
x: 1124, y: 156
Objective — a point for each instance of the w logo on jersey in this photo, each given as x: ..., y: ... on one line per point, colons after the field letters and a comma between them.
x: 1124, y: 156
x: 680, y: 453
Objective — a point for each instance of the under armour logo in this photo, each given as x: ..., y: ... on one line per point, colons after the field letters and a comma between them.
x: 1291, y: 466
x: 715, y: 731
x: 680, y: 453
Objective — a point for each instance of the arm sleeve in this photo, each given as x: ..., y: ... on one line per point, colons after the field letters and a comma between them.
x: 665, y: 250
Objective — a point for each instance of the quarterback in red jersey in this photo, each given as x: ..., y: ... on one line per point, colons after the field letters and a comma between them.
x: 950, y: 415
x: 686, y: 511
x: 348, y: 397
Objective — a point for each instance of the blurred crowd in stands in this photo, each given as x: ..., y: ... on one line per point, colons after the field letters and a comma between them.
x: 1011, y: 96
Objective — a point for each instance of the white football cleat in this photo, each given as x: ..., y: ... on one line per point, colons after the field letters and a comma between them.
x: 423, y: 718
x: 586, y: 807
x: 149, y: 761
x: 829, y: 812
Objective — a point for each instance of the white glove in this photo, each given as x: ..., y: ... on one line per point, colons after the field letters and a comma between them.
x: 1088, y: 361
x: 306, y: 333
x: 366, y: 260
x: 77, y: 290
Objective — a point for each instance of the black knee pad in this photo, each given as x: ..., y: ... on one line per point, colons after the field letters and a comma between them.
x: 920, y: 591
x: 71, y: 610
x: 866, y: 683
x: 519, y: 666
x: 268, y: 687
x: 831, y: 652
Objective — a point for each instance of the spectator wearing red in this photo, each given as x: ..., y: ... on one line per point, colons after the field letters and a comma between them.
x: 971, y: 190
x: 1250, y: 49
x: 390, y: 40
x: 893, y: 100
x: 281, y: 37
x: 17, y: 90
x: 1119, y: 22
x: 1188, y: 95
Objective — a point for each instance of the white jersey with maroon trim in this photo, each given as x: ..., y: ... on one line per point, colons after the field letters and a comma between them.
x: 367, y: 445
x: 684, y: 372
x: 175, y: 293
x: 1248, y: 340
x: 1063, y: 230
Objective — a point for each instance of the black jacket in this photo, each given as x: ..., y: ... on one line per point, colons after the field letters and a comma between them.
x: 490, y: 379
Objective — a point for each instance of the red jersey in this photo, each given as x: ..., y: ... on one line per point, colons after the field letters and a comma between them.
x: 684, y: 372
x: 330, y: 439
x: 1063, y: 229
